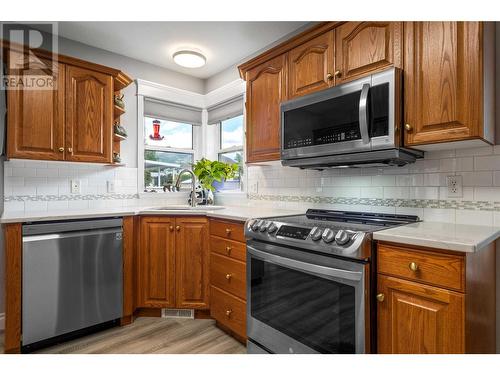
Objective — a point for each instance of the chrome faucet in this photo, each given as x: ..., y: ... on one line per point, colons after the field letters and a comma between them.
x: 194, y: 200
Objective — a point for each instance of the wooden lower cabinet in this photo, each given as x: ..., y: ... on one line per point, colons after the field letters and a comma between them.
x: 433, y: 301
x: 173, y: 264
x: 228, y: 276
x: 192, y: 263
x: 157, y: 262
x: 419, y: 319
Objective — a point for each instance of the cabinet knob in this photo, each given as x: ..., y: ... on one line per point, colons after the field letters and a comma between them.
x: 380, y: 297
x: 408, y: 127
x: 171, y: 228
x: 61, y: 149
x: 329, y: 76
x: 229, y: 312
x: 413, y: 266
x: 337, y: 74
x: 228, y: 276
x: 228, y: 250
x: 177, y: 228
x: 228, y: 231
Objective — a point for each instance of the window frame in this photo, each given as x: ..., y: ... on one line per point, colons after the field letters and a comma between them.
x: 194, y: 152
x: 241, y: 148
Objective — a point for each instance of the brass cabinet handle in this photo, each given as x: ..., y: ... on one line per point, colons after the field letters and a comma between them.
x: 228, y: 231
x: 408, y: 127
x: 337, y: 74
x: 171, y: 228
x: 228, y: 250
x: 329, y: 76
x: 61, y: 149
x: 413, y: 266
x: 380, y: 297
x: 177, y: 228
x: 228, y: 276
x: 229, y: 312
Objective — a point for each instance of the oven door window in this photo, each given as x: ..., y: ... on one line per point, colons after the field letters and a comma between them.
x: 317, y: 312
x: 331, y: 121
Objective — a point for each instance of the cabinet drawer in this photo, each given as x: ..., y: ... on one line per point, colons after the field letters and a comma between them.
x: 228, y: 274
x: 444, y: 270
x: 232, y: 249
x: 229, y: 311
x: 227, y: 229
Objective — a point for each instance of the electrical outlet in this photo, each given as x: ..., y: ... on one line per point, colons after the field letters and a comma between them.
x: 75, y: 187
x: 253, y: 188
x: 454, y: 185
x: 111, y: 186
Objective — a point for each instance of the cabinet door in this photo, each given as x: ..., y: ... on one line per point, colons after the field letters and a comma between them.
x: 417, y: 319
x: 266, y: 89
x: 310, y: 66
x: 364, y: 47
x: 88, y: 115
x: 443, y: 72
x: 192, y: 263
x: 156, y: 279
x: 35, y: 121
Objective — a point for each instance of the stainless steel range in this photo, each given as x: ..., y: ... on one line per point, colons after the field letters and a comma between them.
x: 309, y: 281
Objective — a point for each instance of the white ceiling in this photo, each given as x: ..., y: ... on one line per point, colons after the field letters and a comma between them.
x: 222, y: 43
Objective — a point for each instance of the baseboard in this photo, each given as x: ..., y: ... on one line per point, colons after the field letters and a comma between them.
x: 2, y: 321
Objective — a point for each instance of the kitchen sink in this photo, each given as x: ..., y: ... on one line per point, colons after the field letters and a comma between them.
x: 187, y: 208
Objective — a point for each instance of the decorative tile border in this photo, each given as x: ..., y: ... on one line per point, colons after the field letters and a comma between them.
x: 411, y: 203
x: 72, y: 197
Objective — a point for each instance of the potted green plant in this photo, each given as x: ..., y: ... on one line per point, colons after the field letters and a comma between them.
x: 209, y: 172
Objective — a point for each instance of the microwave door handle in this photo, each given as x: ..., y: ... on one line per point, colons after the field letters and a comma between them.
x: 363, y: 113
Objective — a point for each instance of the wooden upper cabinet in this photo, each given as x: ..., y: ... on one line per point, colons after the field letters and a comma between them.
x: 156, y: 279
x: 364, y: 47
x: 192, y: 263
x: 443, y: 82
x: 310, y: 66
x: 266, y: 89
x: 36, y: 117
x: 89, y: 115
x: 417, y: 319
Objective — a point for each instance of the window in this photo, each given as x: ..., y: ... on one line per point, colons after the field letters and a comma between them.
x: 231, y: 148
x: 168, y: 148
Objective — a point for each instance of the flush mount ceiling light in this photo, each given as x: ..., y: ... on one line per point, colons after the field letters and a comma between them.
x: 189, y: 59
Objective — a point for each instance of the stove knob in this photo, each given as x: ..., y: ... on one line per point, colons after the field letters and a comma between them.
x: 256, y: 225
x: 272, y: 228
x: 251, y: 223
x: 264, y: 226
x: 342, y: 237
x: 328, y: 235
x: 315, y: 234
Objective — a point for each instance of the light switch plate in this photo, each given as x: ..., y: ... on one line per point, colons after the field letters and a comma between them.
x: 253, y: 188
x: 75, y: 187
x: 111, y: 186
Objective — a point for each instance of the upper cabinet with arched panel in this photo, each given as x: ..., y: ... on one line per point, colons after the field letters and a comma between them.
x: 310, y: 66
x: 364, y: 47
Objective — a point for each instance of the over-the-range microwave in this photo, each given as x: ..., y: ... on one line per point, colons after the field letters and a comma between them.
x: 357, y: 123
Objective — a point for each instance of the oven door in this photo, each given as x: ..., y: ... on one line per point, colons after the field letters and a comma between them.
x: 353, y: 117
x: 299, y: 302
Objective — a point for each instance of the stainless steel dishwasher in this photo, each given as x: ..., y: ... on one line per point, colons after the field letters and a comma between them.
x: 72, y: 277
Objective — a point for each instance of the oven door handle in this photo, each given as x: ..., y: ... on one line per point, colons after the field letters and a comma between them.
x: 308, y: 267
x: 363, y: 113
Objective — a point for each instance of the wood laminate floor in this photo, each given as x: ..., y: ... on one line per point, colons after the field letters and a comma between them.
x: 153, y: 336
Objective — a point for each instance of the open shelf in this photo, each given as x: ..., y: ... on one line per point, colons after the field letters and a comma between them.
x: 118, y: 111
x: 118, y: 137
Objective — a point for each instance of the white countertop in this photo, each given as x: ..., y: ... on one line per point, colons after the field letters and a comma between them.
x: 447, y: 236
x: 240, y: 213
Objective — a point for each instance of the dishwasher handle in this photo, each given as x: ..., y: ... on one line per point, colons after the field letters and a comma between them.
x: 71, y: 226
x: 58, y: 236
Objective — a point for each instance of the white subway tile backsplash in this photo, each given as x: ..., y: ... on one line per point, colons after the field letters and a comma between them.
x: 474, y: 217
x: 398, y: 192
x: 487, y: 163
x: 383, y: 180
x: 424, y: 192
x: 477, y: 178
x: 487, y: 194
